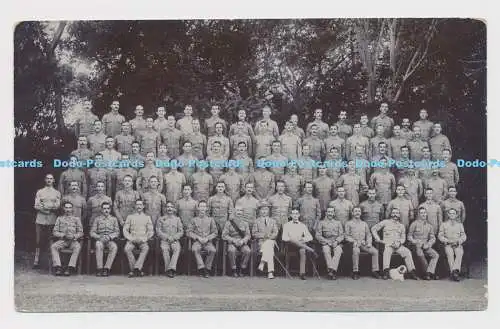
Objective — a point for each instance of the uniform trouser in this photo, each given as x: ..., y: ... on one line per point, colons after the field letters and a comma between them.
x: 332, y: 262
x: 267, y: 250
x: 99, y: 253
x: 132, y: 262
x: 209, y: 248
x: 403, y: 252
x: 454, y: 255
x: 231, y: 253
x: 58, y: 245
x: 421, y: 253
x: 355, y: 257
x: 166, y: 248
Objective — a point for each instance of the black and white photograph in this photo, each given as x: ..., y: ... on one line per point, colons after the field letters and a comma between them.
x: 326, y: 164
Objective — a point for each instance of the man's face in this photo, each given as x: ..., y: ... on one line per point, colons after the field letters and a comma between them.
x: 417, y: 131
x: 356, y: 213
x: 400, y: 191
x: 426, y: 153
x: 110, y: 143
x: 202, y: 208
x: 334, y: 153
x: 97, y: 126
x: 280, y: 187
x: 196, y: 125
x: 153, y: 183
x: 170, y: 208
x: 406, y: 123
x: 405, y: 153
x: 422, y: 213
x: 160, y: 112
x: 276, y: 147
x: 371, y: 195
x: 322, y: 171
x: 423, y: 114
x: 218, y: 129
x: 139, y: 111
x: 242, y: 115
x: 435, y: 172
x: 68, y: 209
x: 187, y: 148
x: 126, y: 128
x: 135, y: 148
x: 115, y: 106
x: 215, y: 110
x: 380, y: 130
x: 162, y: 149
x: 186, y: 191
x: 266, y: 112
x: 308, y: 189
x: 82, y: 141
x: 342, y: 115
x: 74, y: 187
x: 314, y: 130
x: 437, y: 129
x: 239, y: 212
x: 139, y: 206
x: 396, y: 131
x: 395, y: 214
x: 288, y: 126
x: 240, y: 126
x: 188, y: 111
x: 356, y: 129
x: 382, y: 148
x: 364, y: 120
x: 334, y: 130
x: 294, y: 119
x: 384, y: 108
x: 452, y: 214
x: 127, y: 182
x: 351, y: 166
x: 149, y: 123
x: 220, y: 188
x: 341, y: 192
x: 87, y: 105
x: 216, y: 148
x: 428, y: 194
x: 106, y: 209
x: 100, y: 187
x: 446, y: 155
x: 295, y: 215
x: 292, y: 169
x: 171, y: 121
x: 242, y: 148
x: 452, y: 193
x: 98, y: 158
x: 150, y: 157
x: 330, y: 213
x: 318, y: 114
x: 124, y: 157
x: 264, y: 211
x: 249, y: 189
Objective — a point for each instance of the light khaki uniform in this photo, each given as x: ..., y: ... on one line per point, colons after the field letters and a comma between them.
x: 358, y: 233
x: 422, y: 232
x: 105, y: 227
x: 328, y: 233
x: 67, y: 225
x: 169, y: 229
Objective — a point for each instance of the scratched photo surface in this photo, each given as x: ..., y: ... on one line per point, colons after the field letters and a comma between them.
x: 281, y: 165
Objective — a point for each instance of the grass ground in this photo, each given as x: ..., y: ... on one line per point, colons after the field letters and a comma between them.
x: 40, y: 292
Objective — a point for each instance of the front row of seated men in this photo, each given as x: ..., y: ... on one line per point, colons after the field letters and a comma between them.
x: 138, y: 231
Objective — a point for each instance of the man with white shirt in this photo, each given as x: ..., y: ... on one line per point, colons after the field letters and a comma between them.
x: 297, y: 236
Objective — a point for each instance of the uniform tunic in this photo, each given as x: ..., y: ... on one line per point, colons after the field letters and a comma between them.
x: 248, y: 130
x: 439, y: 186
x: 310, y: 211
x: 263, y: 145
x: 83, y: 154
x: 329, y: 231
x: 358, y: 231
x: 325, y: 189
x: 210, y: 125
x: 272, y: 128
x: 171, y: 137
x: 317, y: 146
x: 335, y: 141
x: 112, y: 123
x: 224, y: 141
x: 234, y: 184
x: 450, y: 174
x: 174, y: 181
x: 79, y: 205
x: 138, y: 125
x: 155, y: 204
x: 421, y: 231
x: 72, y: 174
x: 50, y: 198
x: 110, y: 155
x: 406, y: 210
x: 105, y: 226
x: 84, y: 124
x: 415, y: 145
x: 234, y: 140
x: 345, y: 130
x: 263, y: 181
x: 434, y: 214
x: 149, y: 140
x: 118, y: 176
x: 66, y: 225
x: 414, y: 189
x: 187, y: 160
x: 367, y: 131
x: 124, y: 143
x: 202, y: 227
x: 407, y: 134
x: 393, y: 231
x: 249, y: 205
x: 97, y: 142
x: 438, y: 144
x: 185, y: 125
x: 323, y: 128
x: 202, y: 184
x: 343, y: 209
x: 425, y: 128
x: 352, y: 184
x: 374, y: 145
x: 94, y: 204
x: 452, y: 231
x: 384, y: 184
x: 220, y: 208
x: 216, y: 166
x: 385, y: 121
x: 245, y: 167
x: 186, y: 210
x: 124, y: 204
x: 291, y: 145
x: 280, y: 162
x: 293, y: 185
x: 371, y: 212
x: 281, y: 207
x: 456, y: 204
x: 335, y: 168
x: 145, y: 174
x: 307, y: 168
x: 395, y: 145
x: 198, y: 143
x: 354, y: 141
x: 95, y: 175
x: 159, y: 124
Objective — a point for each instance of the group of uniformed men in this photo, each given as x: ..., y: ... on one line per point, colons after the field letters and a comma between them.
x: 335, y: 205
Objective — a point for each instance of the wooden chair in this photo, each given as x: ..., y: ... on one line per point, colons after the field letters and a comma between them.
x: 190, y: 257
x: 148, y: 262
x: 66, y: 251
x: 91, y: 254
x: 294, y: 252
x: 159, y: 254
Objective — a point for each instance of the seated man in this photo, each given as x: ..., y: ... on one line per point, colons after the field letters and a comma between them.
x: 237, y: 233
x: 452, y: 234
x: 358, y: 233
x: 330, y: 234
x: 203, y: 230
x: 68, y: 229
x: 138, y: 229
x: 394, y: 237
x: 169, y: 229
x: 105, y: 230
x: 295, y: 233
x: 265, y: 231
x: 421, y: 236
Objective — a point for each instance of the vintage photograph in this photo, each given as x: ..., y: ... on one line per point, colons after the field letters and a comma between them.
x: 331, y: 164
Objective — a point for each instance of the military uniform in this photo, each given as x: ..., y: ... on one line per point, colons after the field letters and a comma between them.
x: 421, y: 232
x: 67, y: 229
x: 281, y: 207
x: 367, y: 131
x: 343, y: 209
x: 358, y: 233
x: 185, y: 124
x: 202, y: 184
x: 112, y: 123
x: 155, y: 204
x: 330, y: 235
x: 354, y: 141
x: 415, y: 146
x: 234, y: 140
x: 225, y: 146
x: 374, y: 145
x: 414, y: 188
x: 291, y: 145
x: 395, y: 145
x: 337, y: 142
x: 323, y: 128
x: 456, y: 204
x: 384, y: 184
x: 186, y: 210
x: 210, y: 125
x: 425, y: 128
x: 137, y: 227
x: 160, y: 124
x: 124, y: 204
x: 245, y: 167
x: 263, y: 181
x: 352, y: 184
x: 234, y: 184
x: 405, y: 207
x: 335, y: 168
x: 84, y: 124
x: 105, y: 227
x: 79, y: 205
x: 216, y: 166
x: 310, y: 211
x: 248, y: 130
x: 249, y: 205
x: 450, y: 173
x: 279, y: 165
x: 95, y: 175
x: 149, y: 140
x: 203, y: 227
x: 220, y: 208
x: 372, y: 212
x: 145, y: 174
x: 124, y: 143
x: 385, y: 121
x: 439, y: 186
x: 231, y: 235
x: 97, y: 142
x: 171, y: 137
x: 263, y: 145
x: 272, y: 128
x: 119, y: 174
x: 345, y: 130
x: 69, y: 175
x: 50, y: 198
x: 393, y: 231
x: 437, y: 144
x: 187, y: 167
x: 407, y: 134
x: 94, y: 204
x: 293, y: 185
x: 307, y: 168
x: 83, y: 154
x: 174, y: 181
x: 198, y: 142
x: 111, y: 155
x: 169, y: 229
x: 138, y: 125
x: 453, y: 232
x: 325, y: 188
x: 317, y: 146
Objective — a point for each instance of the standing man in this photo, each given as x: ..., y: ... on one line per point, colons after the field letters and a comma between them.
x: 437, y: 184
x: 234, y: 183
x: 405, y: 206
x: 357, y: 140
x: 413, y: 186
x: 138, y: 230
x: 394, y: 237
x: 67, y: 230
x: 186, y: 207
x: 105, y: 231
x: 109, y: 153
x: 263, y: 181
x: 366, y: 130
x: 138, y: 124
x: 135, y: 154
x: 84, y: 123
x: 155, y: 203
x: 384, y: 120
x: 187, y: 160
x: 416, y: 145
x: 210, y: 123
x: 291, y: 144
x: 293, y: 182
x: 309, y: 207
x: 220, y: 206
x: 240, y: 134
x: 270, y: 125
x: 94, y: 204
x: 218, y: 136
x: 330, y: 235
x: 113, y: 120
x: 358, y: 234
x: 433, y: 211
x: 322, y: 127
x: 384, y: 183
x: 424, y: 125
x: 82, y: 151
x: 406, y: 131
x: 216, y: 161
x: 97, y: 139
x: 317, y: 146
x: 452, y: 235
x: 202, y: 231
x: 334, y: 140
x: 279, y: 161
x: 160, y: 122
x: 185, y: 124
x: 450, y: 171
x: 173, y: 183
x: 396, y: 142
x: 345, y: 130
x: 201, y: 182
x: 341, y: 206
x: 453, y: 203
x: 149, y: 138
x: 147, y: 172
x: 171, y: 137
x: 47, y: 202
x: 98, y: 174
x: 237, y: 234
x: 73, y: 174
x: 249, y: 204
x: 245, y: 168
x: 353, y: 183
x: 438, y: 143
x: 265, y: 232
x: 125, y: 201
x: 324, y: 187
x: 306, y: 164
x: 372, y: 211
x: 242, y: 115
x: 294, y: 119
x: 197, y: 139
x: 169, y: 229
x: 263, y: 140
x: 296, y: 235
x: 421, y: 236
x: 119, y: 173
x: 281, y: 204
x: 375, y: 141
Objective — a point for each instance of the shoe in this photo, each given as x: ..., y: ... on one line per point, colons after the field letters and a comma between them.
x: 413, y: 275
x: 270, y: 275
x: 303, y: 277
x: 235, y: 273
x: 427, y: 276
x: 67, y: 272
x: 355, y: 275
x: 436, y: 277
x: 105, y: 272
x: 385, y: 275
x: 36, y: 266
x: 456, y: 275
x: 243, y: 272
x: 261, y: 267
x: 58, y: 271
x: 330, y: 274
x: 376, y: 274
x: 99, y: 272
x: 201, y: 272
x: 334, y: 275
x: 206, y: 273
x: 140, y: 273
x: 131, y: 274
